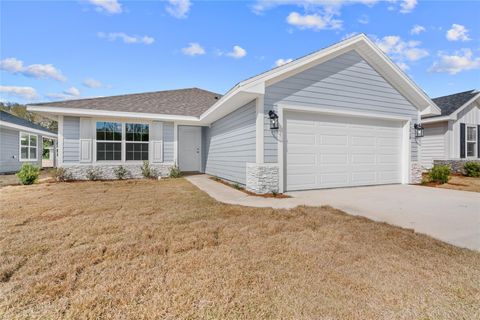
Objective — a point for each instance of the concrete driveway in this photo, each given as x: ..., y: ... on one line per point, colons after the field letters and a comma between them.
x: 449, y: 215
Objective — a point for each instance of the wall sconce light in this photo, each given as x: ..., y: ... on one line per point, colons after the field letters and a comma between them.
x: 273, y: 119
x: 418, y: 130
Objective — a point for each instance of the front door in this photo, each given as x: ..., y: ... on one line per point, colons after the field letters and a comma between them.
x: 189, y: 148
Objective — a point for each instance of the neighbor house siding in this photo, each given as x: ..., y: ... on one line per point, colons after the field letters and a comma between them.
x: 9, y: 150
x: 71, y: 139
x: 229, y: 143
x: 434, y: 143
x: 346, y: 83
x: 470, y: 116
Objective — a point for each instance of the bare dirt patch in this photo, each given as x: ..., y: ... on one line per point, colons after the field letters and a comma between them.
x: 163, y: 249
x: 458, y: 182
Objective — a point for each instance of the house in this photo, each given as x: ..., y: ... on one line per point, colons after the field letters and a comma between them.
x: 453, y: 137
x: 21, y: 141
x: 341, y: 116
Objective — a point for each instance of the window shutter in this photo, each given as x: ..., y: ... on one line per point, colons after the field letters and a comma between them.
x: 462, y: 140
x: 86, y: 141
x: 156, y: 141
x: 478, y: 141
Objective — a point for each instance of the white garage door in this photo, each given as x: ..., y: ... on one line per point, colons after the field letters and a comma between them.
x: 327, y: 151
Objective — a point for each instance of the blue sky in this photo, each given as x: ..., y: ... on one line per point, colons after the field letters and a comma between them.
x: 54, y: 50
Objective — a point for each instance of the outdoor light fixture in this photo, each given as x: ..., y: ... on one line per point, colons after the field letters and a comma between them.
x: 273, y: 119
x: 418, y: 130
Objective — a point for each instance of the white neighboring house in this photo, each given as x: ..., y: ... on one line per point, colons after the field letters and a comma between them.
x: 342, y: 116
x: 455, y: 134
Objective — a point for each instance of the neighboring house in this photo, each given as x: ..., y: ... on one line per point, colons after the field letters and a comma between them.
x: 21, y: 141
x: 455, y: 133
x: 345, y: 117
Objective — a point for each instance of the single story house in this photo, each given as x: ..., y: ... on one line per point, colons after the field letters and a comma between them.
x: 453, y: 137
x: 341, y: 116
x: 21, y: 141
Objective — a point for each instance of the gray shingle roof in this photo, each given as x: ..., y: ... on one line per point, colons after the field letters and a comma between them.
x: 449, y: 104
x: 185, y: 102
x: 7, y: 117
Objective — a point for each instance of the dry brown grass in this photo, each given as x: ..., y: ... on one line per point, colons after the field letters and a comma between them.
x: 163, y: 249
x: 459, y: 182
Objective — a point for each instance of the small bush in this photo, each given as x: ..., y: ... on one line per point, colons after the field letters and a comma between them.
x: 472, y: 169
x: 28, y: 173
x: 93, y: 174
x: 274, y: 194
x: 215, y: 178
x: 237, y: 186
x: 175, y: 172
x: 61, y: 174
x: 120, y: 172
x: 439, y: 174
x: 147, y: 171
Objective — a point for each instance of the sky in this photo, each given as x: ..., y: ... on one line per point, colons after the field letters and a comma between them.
x: 56, y: 50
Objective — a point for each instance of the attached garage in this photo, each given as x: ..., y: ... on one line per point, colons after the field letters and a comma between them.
x: 327, y: 150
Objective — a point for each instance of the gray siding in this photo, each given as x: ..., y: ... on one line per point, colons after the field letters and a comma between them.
x: 168, y: 132
x: 71, y: 139
x: 9, y: 150
x: 434, y: 143
x: 229, y: 143
x: 346, y: 83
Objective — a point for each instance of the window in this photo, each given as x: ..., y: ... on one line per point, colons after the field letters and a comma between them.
x: 28, y: 146
x: 136, y: 136
x: 109, y: 141
x: 471, y: 141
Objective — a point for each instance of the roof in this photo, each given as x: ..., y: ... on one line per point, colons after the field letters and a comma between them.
x: 10, y: 118
x: 451, y: 103
x: 187, y: 102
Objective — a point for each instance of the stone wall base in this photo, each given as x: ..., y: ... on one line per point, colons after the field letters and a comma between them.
x: 262, y: 178
x: 416, y: 170
x: 455, y: 164
x: 107, y: 172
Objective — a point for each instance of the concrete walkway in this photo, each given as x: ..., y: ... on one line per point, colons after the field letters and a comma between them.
x: 448, y: 215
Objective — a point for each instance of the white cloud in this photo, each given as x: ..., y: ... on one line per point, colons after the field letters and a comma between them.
x: 458, y: 33
x: 70, y: 93
x: 109, y: 6
x: 462, y: 60
x: 401, y: 51
x: 193, y: 49
x: 407, y: 6
x: 349, y: 35
x: 417, y: 29
x: 92, y: 83
x: 281, y: 62
x: 363, y: 19
x: 112, y: 36
x: 39, y: 71
x: 237, y: 52
x: 178, y: 8
x: 313, y: 21
x: 328, y: 6
x: 27, y: 93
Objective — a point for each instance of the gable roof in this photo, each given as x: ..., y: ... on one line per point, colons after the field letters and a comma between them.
x: 10, y: 120
x: 186, y: 102
x: 451, y: 103
x: 203, y: 107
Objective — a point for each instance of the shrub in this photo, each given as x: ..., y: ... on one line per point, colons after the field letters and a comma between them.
x: 274, y: 193
x: 93, y: 174
x: 472, y: 169
x: 61, y: 174
x: 175, y: 172
x: 120, y: 172
x: 237, y: 186
x: 147, y: 171
x: 28, y: 173
x: 439, y: 174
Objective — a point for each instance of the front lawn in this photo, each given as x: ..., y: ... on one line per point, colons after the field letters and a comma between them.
x: 163, y: 249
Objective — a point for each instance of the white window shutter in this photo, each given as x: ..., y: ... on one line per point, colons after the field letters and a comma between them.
x: 85, y: 150
x: 156, y: 143
x: 157, y: 147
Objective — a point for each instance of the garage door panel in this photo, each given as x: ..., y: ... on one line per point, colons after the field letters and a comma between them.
x: 347, y: 151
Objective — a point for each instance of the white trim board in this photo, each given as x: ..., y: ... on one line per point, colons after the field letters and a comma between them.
x: 20, y: 127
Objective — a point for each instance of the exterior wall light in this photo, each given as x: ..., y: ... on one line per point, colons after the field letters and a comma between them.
x: 418, y: 130
x: 273, y: 119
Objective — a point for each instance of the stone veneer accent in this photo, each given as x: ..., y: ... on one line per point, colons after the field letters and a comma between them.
x: 455, y: 164
x: 415, y: 172
x: 262, y: 178
x: 79, y: 172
